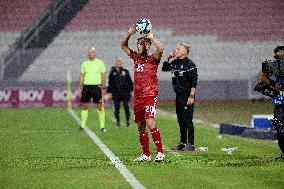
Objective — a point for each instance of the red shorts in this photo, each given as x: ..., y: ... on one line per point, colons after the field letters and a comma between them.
x: 145, y: 108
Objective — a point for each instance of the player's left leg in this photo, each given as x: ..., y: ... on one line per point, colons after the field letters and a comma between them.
x: 188, y: 115
x: 156, y: 136
x: 84, y: 115
x: 98, y: 99
x: 127, y: 111
x: 150, y: 113
x: 101, y: 113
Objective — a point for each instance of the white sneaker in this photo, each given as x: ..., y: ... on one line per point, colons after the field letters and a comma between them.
x: 160, y: 157
x: 143, y: 158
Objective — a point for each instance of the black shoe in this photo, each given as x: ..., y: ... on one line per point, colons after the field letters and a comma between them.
x: 103, y: 130
x: 117, y: 124
x: 188, y: 147
x: 281, y: 157
x: 179, y: 147
x: 81, y: 129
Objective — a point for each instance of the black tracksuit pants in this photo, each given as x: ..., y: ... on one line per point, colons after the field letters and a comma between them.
x: 184, y: 115
x: 279, y: 114
x: 117, y: 100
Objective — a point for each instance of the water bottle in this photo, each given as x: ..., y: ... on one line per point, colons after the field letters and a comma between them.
x: 203, y: 148
x: 229, y: 150
x: 219, y: 136
x: 232, y: 150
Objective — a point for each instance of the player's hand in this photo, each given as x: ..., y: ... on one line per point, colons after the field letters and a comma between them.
x: 148, y: 35
x: 132, y: 30
x: 278, y: 87
x: 190, y: 101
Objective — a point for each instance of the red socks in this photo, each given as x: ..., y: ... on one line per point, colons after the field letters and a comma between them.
x: 144, y: 141
x: 157, y: 139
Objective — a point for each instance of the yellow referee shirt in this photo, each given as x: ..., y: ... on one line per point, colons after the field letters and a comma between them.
x: 92, y: 70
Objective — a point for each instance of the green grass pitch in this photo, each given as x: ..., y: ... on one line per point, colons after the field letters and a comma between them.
x: 43, y: 148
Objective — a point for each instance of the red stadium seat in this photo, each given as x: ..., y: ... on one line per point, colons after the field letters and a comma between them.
x: 17, y: 15
x: 229, y: 20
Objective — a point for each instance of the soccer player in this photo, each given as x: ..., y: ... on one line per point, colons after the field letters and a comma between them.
x: 92, y: 85
x: 145, y: 90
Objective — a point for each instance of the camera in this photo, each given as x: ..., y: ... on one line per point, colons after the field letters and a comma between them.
x: 273, y: 67
x: 266, y: 90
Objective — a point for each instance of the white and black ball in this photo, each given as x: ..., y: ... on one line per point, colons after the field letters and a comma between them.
x: 143, y: 26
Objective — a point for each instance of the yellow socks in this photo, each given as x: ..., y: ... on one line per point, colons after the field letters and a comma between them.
x: 84, y: 117
x: 102, y: 115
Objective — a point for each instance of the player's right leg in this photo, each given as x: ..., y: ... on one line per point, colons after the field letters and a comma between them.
x: 101, y: 114
x: 127, y: 111
x: 139, y: 118
x: 84, y: 114
x: 182, y: 129
x: 85, y: 102
x: 116, y: 103
x: 98, y: 99
x: 144, y: 141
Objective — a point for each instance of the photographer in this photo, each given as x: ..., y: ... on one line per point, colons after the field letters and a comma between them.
x: 269, y: 69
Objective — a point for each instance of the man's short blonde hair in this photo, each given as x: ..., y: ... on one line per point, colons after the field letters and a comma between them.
x: 186, y: 46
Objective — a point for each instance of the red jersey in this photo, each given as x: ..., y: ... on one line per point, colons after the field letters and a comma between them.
x: 145, y: 74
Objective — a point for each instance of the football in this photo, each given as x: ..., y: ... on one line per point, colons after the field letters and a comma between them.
x: 143, y: 26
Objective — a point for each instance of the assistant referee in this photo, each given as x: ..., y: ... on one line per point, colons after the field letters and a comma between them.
x: 92, y: 85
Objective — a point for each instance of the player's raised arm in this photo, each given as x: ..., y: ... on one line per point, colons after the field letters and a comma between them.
x: 124, y: 42
x: 159, y: 46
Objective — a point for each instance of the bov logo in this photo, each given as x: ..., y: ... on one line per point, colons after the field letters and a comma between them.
x: 31, y: 95
x: 62, y: 95
x: 5, y: 95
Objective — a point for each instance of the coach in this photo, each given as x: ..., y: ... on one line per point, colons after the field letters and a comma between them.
x: 184, y: 81
x: 120, y: 87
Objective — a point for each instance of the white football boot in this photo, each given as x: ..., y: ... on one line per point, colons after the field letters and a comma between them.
x: 160, y: 157
x: 143, y: 158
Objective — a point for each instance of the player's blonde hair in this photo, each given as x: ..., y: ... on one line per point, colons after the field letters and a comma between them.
x: 186, y: 46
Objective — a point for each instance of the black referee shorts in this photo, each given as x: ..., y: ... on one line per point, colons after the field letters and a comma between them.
x: 91, y: 92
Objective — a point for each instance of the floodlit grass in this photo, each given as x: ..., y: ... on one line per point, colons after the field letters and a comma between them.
x: 228, y: 112
x: 42, y: 148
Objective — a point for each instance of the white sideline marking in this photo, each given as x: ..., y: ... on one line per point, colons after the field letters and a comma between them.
x: 129, y: 177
